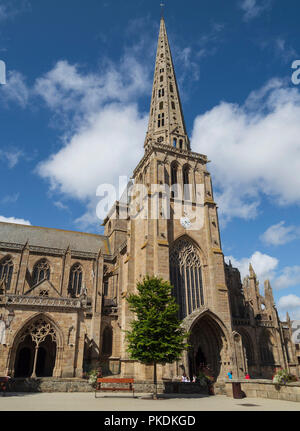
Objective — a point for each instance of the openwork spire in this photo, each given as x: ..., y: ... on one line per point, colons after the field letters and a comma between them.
x: 166, y: 122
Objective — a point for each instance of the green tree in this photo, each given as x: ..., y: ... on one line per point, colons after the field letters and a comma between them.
x: 156, y: 335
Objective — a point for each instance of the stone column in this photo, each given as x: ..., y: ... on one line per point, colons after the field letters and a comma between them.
x: 34, y: 361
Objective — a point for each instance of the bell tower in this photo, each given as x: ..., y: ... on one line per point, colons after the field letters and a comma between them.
x: 178, y: 186
x: 176, y: 235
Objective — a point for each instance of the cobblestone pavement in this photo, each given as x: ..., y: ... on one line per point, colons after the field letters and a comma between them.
x: 115, y: 402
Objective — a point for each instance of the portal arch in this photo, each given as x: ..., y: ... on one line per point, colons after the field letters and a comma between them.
x: 37, y: 348
x: 209, y: 341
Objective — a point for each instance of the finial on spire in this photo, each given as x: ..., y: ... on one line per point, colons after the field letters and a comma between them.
x: 162, y: 5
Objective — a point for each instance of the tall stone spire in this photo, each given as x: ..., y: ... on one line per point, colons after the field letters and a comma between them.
x: 166, y: 122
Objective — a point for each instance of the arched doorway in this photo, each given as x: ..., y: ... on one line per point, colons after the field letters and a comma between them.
x: 36, y: 351
x: 46, y: 358
x: 24, y: 358
x: 208, y: 347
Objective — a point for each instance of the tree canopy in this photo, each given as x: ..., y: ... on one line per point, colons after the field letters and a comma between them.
x: 156, y: 335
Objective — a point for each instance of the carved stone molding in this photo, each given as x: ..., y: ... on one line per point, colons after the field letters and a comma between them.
x: 42, y: 301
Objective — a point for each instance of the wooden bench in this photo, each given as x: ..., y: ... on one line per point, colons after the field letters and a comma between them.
x: 112, y: 388
x: 4, y: 384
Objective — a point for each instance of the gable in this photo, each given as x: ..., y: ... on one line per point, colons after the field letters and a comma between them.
x: 43, y: 288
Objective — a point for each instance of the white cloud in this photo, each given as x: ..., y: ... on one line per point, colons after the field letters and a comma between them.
x: 61, y: 206
x: 107, y: 130
x: 289, y: 277
x: 66, y: 88
x: 285, y: 51
x: 14, y: 220
x: 278, y: 234
x: 208, y: 42
x: 10, y: 199
x: 263, y: 265
x: 15, y: 90
x: 289, y: 301
x: 254, y: 8
x: 189, y: 68
x: 11, y: 157
x: 110, y: 145
x: 291, y: 304
x: 267, y: 268
x: 12, y: 8
x: 248, y: 144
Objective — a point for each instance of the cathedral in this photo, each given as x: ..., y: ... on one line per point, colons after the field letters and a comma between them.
x: 63, y: 308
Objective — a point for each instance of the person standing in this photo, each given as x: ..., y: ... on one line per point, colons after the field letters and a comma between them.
x: 229, y: 374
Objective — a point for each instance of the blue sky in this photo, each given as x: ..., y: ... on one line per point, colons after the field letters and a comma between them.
x: 76, y: 68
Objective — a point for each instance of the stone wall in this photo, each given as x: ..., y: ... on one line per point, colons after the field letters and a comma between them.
x: 267, y: 389
x: 80, y: 385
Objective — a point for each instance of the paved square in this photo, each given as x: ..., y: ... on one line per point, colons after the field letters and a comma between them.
x: 87, y: 402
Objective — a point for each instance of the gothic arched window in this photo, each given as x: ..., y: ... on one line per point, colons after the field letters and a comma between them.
x: 75, y: 280
x: 173, y: 173
x: 266, y: 349
x: 186, y: 276
x: 173, y: 179
x: 186, y: 182
x: 107, y: 341
x: 248, y: 347
x: 41, y: 271
x: 6, y: 270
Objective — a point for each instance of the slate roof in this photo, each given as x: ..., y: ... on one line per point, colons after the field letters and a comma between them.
x: 53, y: 238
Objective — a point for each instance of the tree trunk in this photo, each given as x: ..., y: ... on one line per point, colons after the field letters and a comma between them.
x: 155, y: 382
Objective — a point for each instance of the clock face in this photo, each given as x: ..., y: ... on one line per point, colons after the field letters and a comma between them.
x: 185, y: 222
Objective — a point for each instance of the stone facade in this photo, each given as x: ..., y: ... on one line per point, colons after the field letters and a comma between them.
x: 63, y: 294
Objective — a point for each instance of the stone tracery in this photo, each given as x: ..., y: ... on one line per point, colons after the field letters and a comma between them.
x: 186, y: 276
x: 39, y: 330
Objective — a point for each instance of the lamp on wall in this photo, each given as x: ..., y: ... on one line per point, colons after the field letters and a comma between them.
x: 10, y: 318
